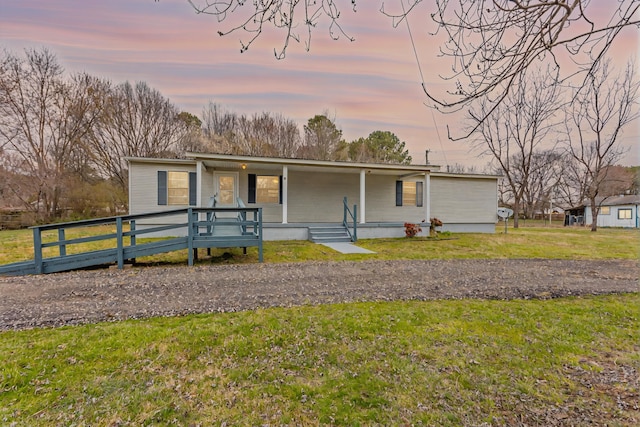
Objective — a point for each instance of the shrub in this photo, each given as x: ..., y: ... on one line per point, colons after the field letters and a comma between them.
x: 411, y: 229
x: 435, y: 222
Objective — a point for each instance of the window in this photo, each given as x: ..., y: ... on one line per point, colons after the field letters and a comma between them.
x: 176, y: 188
x: 265, y: 189
x: 605, y: 210
x: 624, y: 213
x: 409, y: 193
x: 226, y: 190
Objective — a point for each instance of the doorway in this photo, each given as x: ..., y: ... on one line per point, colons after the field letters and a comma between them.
x: 225, y: 185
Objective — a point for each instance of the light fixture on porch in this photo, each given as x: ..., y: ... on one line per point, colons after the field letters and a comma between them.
x: 243, y: 166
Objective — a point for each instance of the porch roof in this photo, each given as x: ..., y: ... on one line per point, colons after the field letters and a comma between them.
x: 228, y: 161
x: 628, y: 199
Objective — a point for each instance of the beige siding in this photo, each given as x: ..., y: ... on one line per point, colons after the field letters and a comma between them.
x: 143, y: 195
x: 206, y: 189
x: 315, y: 197
x: 381, y: 201
x: 464, y: 200
x: 270, y: 212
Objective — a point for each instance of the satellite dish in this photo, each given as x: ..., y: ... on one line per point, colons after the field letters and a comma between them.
x: 505, y: 213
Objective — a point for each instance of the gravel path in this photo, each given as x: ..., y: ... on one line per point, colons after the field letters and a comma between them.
x: 137, y: 292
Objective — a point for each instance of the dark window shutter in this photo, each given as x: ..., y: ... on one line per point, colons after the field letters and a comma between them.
x: 162, y: 188
x: 280, y: 200
x: 419, y: 194
x: 252, y: 188
x: 398, y: 193
x: 193, y: 188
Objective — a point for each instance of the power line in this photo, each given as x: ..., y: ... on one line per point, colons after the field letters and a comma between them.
x: 415, y: 52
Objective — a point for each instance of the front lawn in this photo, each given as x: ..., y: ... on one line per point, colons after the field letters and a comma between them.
x: 525, y: 242
x: 571, y: 361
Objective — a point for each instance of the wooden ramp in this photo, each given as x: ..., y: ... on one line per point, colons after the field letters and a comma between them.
x: 196, y: 227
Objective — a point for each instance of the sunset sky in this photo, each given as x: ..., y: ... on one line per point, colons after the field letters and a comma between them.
x: 370, y: 84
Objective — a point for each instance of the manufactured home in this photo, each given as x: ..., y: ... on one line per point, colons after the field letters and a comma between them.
x: 298, y: 197
x: 616, y: 211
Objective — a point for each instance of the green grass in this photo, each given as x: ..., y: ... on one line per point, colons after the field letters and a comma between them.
x: 397, y: 363
x: 409, y: 363
x: 525, y: 242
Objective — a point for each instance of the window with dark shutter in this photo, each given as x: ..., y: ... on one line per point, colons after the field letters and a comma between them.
x: 398, y: 193
x: 409, y: 193
x: 251, y: 197
x: 193, y: 189
x: 162, y: 188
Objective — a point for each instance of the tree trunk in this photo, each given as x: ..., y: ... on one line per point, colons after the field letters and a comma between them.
x: 594, y: 215
x: 516, y: 212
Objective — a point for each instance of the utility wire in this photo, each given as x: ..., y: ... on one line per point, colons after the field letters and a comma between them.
x: 415, y: 52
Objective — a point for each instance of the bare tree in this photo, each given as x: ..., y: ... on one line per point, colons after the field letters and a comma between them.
x: 602, y: 108
x: 490, y: 43
x: 512, y: 132
x: 619, y: 180
x: 218, y: 126
x: 137, y: 121
x: 280, y: 136
x: 192, y: 137
x: 43, y: 120
x: 283, y: 15
x: 545, y: 173
x: 263, y: 134
x: 462, y: 169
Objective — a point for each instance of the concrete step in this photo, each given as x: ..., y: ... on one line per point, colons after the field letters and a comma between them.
x: 328, y: 234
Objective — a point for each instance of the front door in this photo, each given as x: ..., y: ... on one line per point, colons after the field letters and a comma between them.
x: 226, y: 189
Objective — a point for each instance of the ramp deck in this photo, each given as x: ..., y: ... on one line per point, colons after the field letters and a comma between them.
x: 195, y: 228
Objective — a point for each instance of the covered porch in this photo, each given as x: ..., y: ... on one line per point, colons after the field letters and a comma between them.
x: 297, y: 194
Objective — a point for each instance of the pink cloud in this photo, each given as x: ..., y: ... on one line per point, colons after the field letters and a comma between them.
x: 370, y: 84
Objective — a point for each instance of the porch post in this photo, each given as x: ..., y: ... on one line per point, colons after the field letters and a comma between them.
x: 285, y: 193
x: 427, y: 196
x: 199, y: 167
x: 362, y: 195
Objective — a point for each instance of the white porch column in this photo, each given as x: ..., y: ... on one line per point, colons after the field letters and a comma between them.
x: 427, y: 196
x: 285, y: 193
x: 199, y: 174
x: 362, y: 196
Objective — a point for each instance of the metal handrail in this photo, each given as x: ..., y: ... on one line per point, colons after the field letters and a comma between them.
x: 347, y: 213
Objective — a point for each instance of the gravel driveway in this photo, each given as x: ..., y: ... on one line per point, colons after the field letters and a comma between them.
x: 137, y: 292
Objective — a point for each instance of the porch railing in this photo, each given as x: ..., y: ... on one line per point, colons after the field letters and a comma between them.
x: 349, y: 215
x: 198, y: 223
